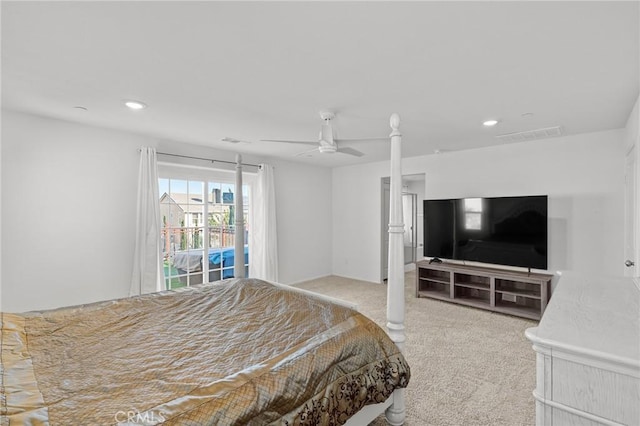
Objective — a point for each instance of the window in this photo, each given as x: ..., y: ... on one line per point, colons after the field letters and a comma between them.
x: 473, y: 214
x: 198, y: 217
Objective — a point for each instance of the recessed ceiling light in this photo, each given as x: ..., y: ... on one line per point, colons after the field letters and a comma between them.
x: 135, y: 105
x: 490, y: 123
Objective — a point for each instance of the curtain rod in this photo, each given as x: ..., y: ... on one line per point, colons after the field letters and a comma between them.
x: 207, y: 159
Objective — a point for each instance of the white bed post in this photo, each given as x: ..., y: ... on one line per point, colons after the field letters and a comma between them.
x: 395, y: 285
x: 238, y: 264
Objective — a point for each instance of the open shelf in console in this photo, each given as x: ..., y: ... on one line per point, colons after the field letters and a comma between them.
x: 469, y: 281
x: 521, y: 296
x: 526, y: 311
x: 518, y: 288
x: 433, y: 283
x: 510, y: 292
x: 473, y: 295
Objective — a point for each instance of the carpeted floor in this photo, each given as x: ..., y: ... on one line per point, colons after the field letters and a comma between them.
x: 468, y: 366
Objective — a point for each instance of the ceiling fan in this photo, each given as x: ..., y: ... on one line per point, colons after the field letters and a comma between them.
x: 233, y: 140
x: 327, y: 142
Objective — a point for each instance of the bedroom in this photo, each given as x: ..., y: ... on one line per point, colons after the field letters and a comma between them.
x: 328, y: 209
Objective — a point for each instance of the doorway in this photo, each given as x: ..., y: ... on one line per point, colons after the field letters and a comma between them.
x: 410, y: 219
x: 412, y: 192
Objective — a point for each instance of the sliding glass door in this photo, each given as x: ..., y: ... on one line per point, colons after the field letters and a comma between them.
x: 198, y: 230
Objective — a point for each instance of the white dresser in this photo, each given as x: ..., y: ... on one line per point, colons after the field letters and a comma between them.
x: 588, y: 353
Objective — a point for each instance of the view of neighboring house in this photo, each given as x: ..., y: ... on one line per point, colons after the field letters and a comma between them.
x: 183, y: 215
x: 184, y: 226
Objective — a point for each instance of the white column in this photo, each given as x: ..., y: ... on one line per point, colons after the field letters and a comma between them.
x: 238, y: 265
x: 395, y: 284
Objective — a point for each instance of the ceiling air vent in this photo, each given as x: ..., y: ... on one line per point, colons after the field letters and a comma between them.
x: 530, y: 135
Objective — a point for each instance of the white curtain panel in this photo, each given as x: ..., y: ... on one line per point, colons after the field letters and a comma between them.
x: 263, y: 240
x: 148, y: 275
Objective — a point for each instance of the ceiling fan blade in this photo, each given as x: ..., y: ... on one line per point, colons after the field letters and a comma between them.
x: 285, y: 141
x: 233, y: 140
x: 351, y: 151
x: 343, y: 141
x: 306, y: 153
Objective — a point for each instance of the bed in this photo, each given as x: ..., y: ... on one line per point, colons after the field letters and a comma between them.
x: 168, y: 356
x: 241, y: 351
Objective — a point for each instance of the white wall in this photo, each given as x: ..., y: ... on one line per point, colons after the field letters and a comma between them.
x: 303, y: 202
x: 0, y: 209
x: 582, y: 175
x: 68, y: 212
x: 67, y: 208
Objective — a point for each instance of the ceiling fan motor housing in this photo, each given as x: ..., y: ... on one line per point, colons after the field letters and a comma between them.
x: 327, y: 149
x: 326, y: 137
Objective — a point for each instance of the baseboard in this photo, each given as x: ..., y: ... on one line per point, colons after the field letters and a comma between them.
x: 356, y: 279
x: 295, y: 283
x: 410, y: 266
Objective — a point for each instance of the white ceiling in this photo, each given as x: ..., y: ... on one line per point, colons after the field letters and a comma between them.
x: 263, y: 70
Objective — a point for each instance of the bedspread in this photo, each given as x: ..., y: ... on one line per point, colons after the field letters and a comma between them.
x: 241, y: 351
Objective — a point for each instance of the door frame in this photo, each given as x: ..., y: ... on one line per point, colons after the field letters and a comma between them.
x: 385, y: 187
x: 631, y: 221
x: 414, y: 227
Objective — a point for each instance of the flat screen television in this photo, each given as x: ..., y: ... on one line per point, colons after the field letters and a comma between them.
x: 503, y: 230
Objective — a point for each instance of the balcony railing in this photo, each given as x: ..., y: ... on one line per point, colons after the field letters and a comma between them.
x: 183, y: 250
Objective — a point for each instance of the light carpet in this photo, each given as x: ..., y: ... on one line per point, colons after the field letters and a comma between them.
x: 468, y: 366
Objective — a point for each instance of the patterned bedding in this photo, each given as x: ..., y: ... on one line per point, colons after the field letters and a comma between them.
x: 237, y: 352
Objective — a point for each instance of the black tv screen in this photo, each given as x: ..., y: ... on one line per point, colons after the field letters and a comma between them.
x: 504, y: 230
